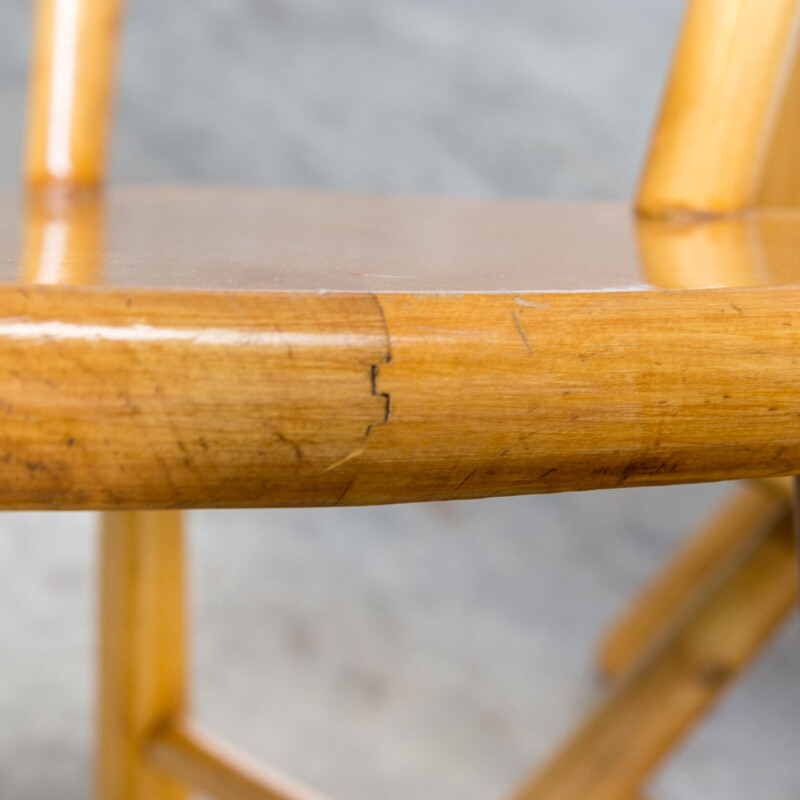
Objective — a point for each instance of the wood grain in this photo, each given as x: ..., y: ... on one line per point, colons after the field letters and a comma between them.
x: 545, y: 393
x: 69, y: 112
x: 724, y: 90
x: 123, y: 399
x: 244, y: 396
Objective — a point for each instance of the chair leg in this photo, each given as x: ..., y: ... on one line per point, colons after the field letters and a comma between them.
x: 614, y: 751
x: 142, y: 650
x: 695, y: 571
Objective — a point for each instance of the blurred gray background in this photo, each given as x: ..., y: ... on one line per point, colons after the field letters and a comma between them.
x: 431, y: 651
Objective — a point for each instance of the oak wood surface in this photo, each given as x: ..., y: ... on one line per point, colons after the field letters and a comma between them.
x: 118, y: 399
x: 142, y: 639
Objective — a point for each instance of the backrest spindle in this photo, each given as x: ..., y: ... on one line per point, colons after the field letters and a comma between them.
x: 727, y: 83
x: 71, y: 91
x: 69, y: 119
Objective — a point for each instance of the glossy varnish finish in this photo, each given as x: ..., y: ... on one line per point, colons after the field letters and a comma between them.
x: 725, y: 90
x: 70, y: 93
x: 142, y: 643
x: 239, y: 397
x: 283, y: 397
x: 62, y: 232
x: 253, y: 239
x: 309, y: 399
x: 607, y: 389
x: 273, y: 240
x: 726, y: 138
x: 326, y: 350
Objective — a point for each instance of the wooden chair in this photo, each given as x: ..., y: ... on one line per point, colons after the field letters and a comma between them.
x: 174, y: 350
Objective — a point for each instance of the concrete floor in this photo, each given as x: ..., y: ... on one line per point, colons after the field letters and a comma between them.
x: 429, y: 651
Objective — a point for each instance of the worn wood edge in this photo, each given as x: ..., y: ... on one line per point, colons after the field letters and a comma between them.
x: 114, y: 391
x: 198, y: 760
x: 387, y: 398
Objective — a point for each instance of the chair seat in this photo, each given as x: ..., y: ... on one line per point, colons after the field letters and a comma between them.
x: 251, y: 347
x: 254, y: 239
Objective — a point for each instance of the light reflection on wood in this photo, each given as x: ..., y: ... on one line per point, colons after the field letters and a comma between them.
x: 758, y: 248
x: 687, y: 254
x: 62, y: 236
x: 706, y: 152
x: 71, y: 87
